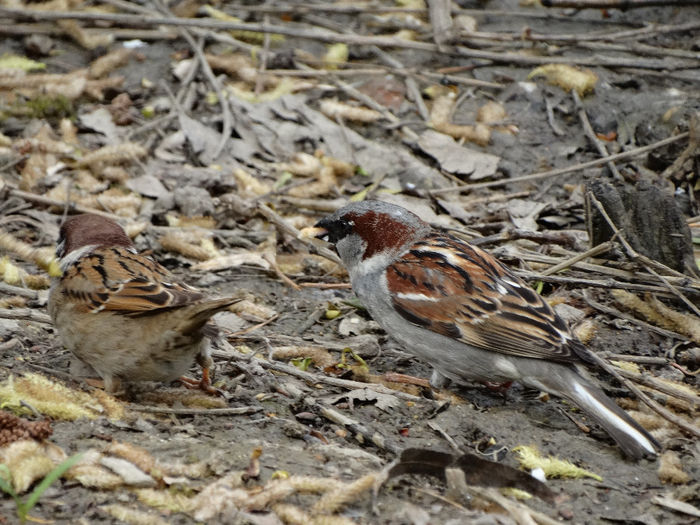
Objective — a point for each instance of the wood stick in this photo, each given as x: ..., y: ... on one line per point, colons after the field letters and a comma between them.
x: 562, y: 171
x: 590, y: 134
x: 24, y: 314
x: 652, y: 382
x: 615, y: 4
x: 18, y: 290
x: 287, y: 228
x: 333, y: 37
x: 601, y: 248
x: 46, y: 201
x: 663, y: 412
x: 648, y: 263
x: 228, y: 411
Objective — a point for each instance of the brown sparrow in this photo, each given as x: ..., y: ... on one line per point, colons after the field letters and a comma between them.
x: 122, y: 313
x: 459, y: 309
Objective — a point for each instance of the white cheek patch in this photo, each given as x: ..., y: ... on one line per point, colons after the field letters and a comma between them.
x: 417, y: 297
x: 375, y: 263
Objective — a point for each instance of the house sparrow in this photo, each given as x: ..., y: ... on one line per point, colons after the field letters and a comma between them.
x: 122, y: 313
x: 470, y: 317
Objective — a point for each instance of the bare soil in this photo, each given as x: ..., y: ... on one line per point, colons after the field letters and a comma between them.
x: 642, y: 104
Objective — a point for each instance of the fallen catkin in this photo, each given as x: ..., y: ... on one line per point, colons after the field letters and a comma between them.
x: 670, y: 469
x: 13, y: 428
x: 659, y: 314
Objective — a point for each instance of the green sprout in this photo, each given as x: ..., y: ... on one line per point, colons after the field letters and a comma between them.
x: 23, y: 507
x: 302, y: 363
x: 344, y: 362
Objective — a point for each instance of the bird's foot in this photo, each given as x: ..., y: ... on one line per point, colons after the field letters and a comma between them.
x: 500, y: 388
x: 94, y: 382
x: 111, y: 385
x: 203, y: 384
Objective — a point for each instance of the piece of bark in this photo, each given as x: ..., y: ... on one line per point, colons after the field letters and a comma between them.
x: 648, y: 218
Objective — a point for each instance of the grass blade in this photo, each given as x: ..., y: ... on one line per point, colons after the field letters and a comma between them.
x: 48, y: 481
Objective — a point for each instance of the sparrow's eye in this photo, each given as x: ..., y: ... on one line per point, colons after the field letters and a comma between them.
x: 335, y: 230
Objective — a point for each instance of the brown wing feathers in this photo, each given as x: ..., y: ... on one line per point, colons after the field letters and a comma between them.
x: 116, y: 279
x: 476, y: 297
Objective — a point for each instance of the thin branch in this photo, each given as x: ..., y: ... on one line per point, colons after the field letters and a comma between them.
x: 17, y: 290
x: 684, y: 282
x: 229, y: 411
x: 593, y: 283
x: 588, y: 130
x: 332, y: 37
x: 596, y: 250
x: 287, y: 228
x: 612, y: 312
x: 271, y: 259
x: 301, y: 8
x: 616, y: 4
x: 645, y: 261
x: 663, y: 412
x: 312, y: 378
x: 662, y: 387
x: 562, y: 171
x: 46, y: 201
x: 264, y: 53
x: 24, y: 314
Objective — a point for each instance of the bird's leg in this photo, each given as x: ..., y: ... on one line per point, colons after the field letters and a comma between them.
x: 203, y: 384
x: 110, y: 384
x: 395, y: 377
x: 500, y: 388
x: 205, y: 361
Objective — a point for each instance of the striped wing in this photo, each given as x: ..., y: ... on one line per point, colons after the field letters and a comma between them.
x: 118, y: 279
x: 454, y: 289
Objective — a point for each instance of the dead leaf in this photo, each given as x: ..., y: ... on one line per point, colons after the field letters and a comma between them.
x: 148, y: 186
x: 477, y: 471
x: 676, y: 505
x: 100, y: 120
x: 203, y: 139
x: 458, y: 159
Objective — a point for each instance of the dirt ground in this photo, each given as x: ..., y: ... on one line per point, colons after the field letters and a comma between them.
x: 646, y: 90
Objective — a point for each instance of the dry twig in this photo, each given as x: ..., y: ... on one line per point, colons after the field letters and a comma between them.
x: 648, y: 263
x: 562, y: 171
x: 332, y: 37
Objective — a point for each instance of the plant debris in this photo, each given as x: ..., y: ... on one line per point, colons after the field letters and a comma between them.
x: 563, y: 141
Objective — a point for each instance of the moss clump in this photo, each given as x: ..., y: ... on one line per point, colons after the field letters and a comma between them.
x: 50, y: 106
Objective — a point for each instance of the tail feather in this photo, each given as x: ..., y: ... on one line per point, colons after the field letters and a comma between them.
x: 198, y: 314
x: 631, y: 437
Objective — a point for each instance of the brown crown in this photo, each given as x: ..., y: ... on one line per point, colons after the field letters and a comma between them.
x: 88, y: 229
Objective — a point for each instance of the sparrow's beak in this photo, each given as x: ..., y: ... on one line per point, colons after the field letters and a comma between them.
x: 314, y: 232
